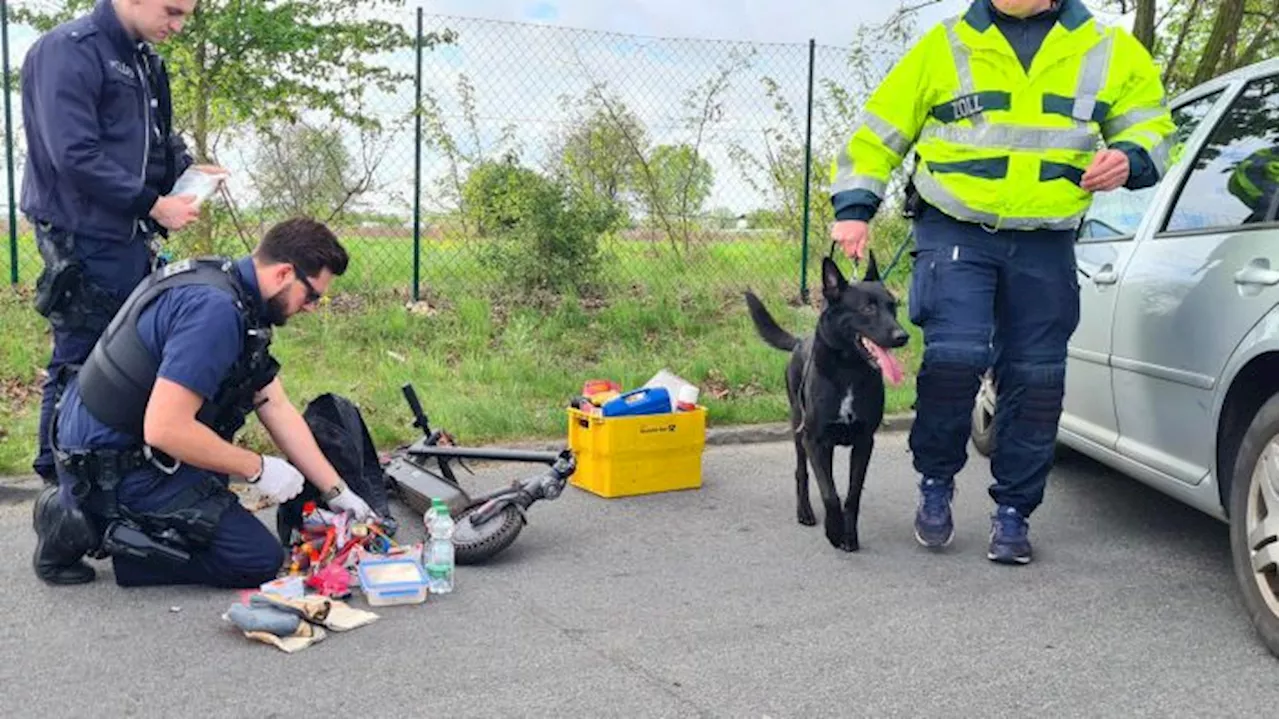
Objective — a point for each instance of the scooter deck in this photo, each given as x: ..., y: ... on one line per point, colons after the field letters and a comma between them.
x: 417, y: 486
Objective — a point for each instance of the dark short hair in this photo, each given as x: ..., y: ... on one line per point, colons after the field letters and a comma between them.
x: 309, y: 245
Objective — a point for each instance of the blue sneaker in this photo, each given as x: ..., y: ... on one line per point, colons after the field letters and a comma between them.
x: 933, y: 516
x: 1009, y: 543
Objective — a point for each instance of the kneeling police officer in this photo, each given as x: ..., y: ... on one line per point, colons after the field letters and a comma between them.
x: 143, y: 434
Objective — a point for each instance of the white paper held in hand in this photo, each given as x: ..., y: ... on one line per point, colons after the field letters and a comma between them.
x: 197, y: 182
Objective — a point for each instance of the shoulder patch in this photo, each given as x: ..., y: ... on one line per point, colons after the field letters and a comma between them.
x: 78, y: 31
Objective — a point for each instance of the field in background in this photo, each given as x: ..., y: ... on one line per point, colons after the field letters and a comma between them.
x: 493, y: 365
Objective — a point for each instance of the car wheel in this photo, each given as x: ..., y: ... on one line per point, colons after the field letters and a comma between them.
x: 982, y: 429
x: 1255, y: 511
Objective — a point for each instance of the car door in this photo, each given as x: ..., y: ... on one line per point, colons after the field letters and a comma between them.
x: 1106, y: 242
x: 1191, y: 292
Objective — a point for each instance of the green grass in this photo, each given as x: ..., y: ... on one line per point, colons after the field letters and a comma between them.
x: 494, y: 369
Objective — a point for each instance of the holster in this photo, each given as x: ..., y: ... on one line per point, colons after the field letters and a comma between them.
x: 64, y: 294
x: 169, y: 534
x: 912, y: 203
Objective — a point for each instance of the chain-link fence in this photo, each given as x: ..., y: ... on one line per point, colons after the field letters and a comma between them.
x: 542, y: 157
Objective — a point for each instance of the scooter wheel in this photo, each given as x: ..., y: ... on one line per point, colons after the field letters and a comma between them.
x: 475, y: 544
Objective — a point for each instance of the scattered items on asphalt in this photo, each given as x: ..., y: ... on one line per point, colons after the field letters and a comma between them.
x: 294, y: 624
x: 331, y: 554
x: 293, y: 611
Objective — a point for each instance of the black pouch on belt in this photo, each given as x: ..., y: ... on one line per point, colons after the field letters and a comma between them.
x: 195, y: 512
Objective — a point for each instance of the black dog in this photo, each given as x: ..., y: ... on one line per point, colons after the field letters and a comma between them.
x: 835, y: 384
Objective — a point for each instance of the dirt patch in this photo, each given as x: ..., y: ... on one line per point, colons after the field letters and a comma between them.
x: 18, y: 392
x: 717, y: 386
x: 344, y: 304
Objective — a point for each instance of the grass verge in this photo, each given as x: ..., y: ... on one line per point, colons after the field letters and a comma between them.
x: 491, y: 369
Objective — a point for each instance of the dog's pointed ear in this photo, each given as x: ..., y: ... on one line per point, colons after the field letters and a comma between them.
x: 833, y: 282
x: 873, y: 270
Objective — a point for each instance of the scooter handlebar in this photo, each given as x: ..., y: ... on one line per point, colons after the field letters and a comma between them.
x: 419, y: 416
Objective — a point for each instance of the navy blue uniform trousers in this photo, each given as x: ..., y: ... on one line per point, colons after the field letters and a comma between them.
x: 243, y: 554
x: 70, y: 347
x: 115, y: 267
x: 1004, y: 299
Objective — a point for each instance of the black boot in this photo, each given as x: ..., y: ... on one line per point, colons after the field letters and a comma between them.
x: 65, y: 535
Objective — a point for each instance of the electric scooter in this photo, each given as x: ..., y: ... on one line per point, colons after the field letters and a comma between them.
x: 485, y: 524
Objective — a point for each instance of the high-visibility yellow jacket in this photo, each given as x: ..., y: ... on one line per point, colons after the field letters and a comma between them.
x: 997, y: 144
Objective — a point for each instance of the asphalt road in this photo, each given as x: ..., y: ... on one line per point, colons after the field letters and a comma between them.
x: 711, y: 602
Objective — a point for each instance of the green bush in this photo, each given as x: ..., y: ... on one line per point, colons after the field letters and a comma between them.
x: 542, y: 236
x: 496, y: 194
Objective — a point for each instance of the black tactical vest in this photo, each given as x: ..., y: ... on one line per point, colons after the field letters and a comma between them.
x: 116, y: 380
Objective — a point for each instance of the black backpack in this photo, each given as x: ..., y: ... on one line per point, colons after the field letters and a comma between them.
x: 344, y: 439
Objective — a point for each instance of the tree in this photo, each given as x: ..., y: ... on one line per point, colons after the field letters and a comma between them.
x: 776, y: 170
x: 1195, y: 40
x: 682, y: 181
x: 307, y: 170
x: 252, y: 63
x: 543, y: 236
x: 1226, y: 25
x: 704, y: 108
x: 594, y: 156
x: 498, y: 193
x: 1144, y: 23
x: 462, y: 150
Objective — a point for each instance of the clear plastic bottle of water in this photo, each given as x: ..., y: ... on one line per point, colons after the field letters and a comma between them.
x: 439, y: 548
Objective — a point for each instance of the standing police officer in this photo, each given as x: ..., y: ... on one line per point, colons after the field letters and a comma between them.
x: 143, y: 433
x: 1018, y: 111
x: 101, y: 154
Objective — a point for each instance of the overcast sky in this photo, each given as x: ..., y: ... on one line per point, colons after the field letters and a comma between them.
x: 519, y: 71
x: 826, y: 21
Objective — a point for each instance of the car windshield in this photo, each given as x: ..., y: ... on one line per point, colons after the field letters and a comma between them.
x: 1119, y: 212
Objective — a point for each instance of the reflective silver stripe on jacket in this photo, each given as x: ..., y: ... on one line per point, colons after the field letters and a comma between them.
x: 938, y: 196
x: 888, y: 134
x: 845, y: 179
x: 1093, y: 73
x: 1015, y: 137
x: 1120, y: 123
x: 1160, y: 154
x: 859, y: 182
x: 960, y: 56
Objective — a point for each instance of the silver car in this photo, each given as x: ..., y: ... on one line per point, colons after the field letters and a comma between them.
x: 1172, y: 373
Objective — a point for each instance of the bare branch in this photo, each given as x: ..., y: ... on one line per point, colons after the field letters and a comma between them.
x: 597, y: 93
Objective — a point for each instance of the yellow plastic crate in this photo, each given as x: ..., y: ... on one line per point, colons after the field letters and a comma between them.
x: 642, y: 454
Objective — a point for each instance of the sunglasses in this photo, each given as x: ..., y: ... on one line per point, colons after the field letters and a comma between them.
x: 312, y: 296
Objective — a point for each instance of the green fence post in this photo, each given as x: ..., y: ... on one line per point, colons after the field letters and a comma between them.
x: 417, y: 164
x: 8, y: 145
x: 808, y: 153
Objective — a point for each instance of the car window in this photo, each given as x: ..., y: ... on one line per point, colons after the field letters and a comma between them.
x: 1233, y: 177
x: 1119, y: 212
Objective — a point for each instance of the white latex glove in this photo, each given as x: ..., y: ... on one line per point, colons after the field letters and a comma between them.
x: 280, y: 480
x: 347, y: 501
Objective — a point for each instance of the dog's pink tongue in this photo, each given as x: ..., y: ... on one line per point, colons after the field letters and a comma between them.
x: 890, y: 367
